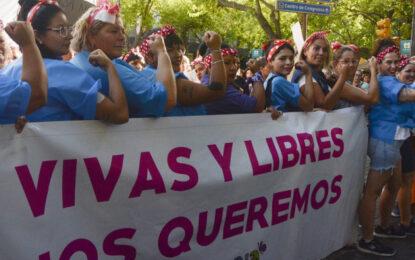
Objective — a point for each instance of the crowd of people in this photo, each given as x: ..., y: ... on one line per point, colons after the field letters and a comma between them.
x: 80, y: 73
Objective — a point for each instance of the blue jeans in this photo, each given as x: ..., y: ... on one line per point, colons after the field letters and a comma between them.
x: 383, y: 156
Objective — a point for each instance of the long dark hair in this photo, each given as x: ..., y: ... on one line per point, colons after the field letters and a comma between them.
x: 40, y: 21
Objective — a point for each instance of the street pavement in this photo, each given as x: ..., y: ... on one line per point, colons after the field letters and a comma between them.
x: 405, y: 247
x: 405, y: 250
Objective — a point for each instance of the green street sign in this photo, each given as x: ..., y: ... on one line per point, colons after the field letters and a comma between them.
x: 406, y: 47
x: 256, y: 53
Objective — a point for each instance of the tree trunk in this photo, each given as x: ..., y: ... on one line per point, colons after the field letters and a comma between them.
x: 257, y: 12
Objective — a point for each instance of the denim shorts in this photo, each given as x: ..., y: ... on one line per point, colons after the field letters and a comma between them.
x: 383, y: 156
x: 408, y: 156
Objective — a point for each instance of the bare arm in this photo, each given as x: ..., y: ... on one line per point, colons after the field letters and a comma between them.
x: 164, y: 72
x: 407, y: 95
x: 217, y: 72
x: 306, y: 102
x: 328, y: 101
x: 359, y: 96
x: 33, y: 70
x: 113, y: 109
x: 258, y: 92
x: 190, y: 93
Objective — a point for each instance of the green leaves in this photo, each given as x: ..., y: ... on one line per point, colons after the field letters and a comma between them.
x: 351, y: 21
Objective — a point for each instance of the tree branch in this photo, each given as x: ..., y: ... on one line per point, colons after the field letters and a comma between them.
x: 234, y: 5
x: 369, y: 16
x: 263, y: 22
x: 270, y: 6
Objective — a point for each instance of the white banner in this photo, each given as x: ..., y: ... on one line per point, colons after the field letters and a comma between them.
x: 212, y: 187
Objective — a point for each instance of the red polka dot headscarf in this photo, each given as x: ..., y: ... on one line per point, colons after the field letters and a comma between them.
x: 405, y: 60
x: 197, y: 61
x: 277, y: 45
x: 225, y: 52
x: 337, y: 45
x: 381, y: 55
x: 164, y: 32
x: 313, y: 37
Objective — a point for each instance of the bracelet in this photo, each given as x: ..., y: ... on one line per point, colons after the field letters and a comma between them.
x: 215, y: 62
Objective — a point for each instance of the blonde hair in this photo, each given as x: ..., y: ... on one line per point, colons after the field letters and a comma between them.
x: 82, y: 29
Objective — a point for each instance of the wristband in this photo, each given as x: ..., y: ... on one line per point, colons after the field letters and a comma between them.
x: 215, y: 62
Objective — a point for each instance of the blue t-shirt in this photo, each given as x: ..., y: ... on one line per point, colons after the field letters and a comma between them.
x: 178, y: 110
x: 285, y: 95
x: 14, y: 98
x: 389, y: 113
x: 145, y: 98
x: 72, y: 94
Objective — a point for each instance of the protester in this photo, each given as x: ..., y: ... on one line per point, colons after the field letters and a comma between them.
x: 134, y: 59
x: 5, y: 51
x: 316, y: 53
x: 72, y: 94
x: 263, y: 69
x: 101, y: 28
x: 24, y: 95
x: 190, y: 95
x: 234, y: 101
x: 389, y: 121
x: 363, y: 76
x: 406, y: 74
x: 199, y: 68
x: 286, y: 96
x: 348, y: 55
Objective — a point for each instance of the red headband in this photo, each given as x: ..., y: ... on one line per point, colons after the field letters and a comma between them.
x: 207, y: 60
x: 229, y: 51
x: 315, y: 36
x: 164, y: 32
x: 277, y: 45
x: 404, y: 61
x: 197, y: 61
x: 225, y: 52
x: 145, y: 45
x: 36, y: 8
x: 382, y: 54
x: 337, y: 45
x: 106, y: 12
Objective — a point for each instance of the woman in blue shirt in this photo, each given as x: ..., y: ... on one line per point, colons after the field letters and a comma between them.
x: 316, y: 53
x: 389, y: 123
x: 101, y: 28
x: 190, y: 95
x: 72, y: 94
x: 331, y: 95
x: 286, y: 96
x: 406, y: 74
x: 29, y: 92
